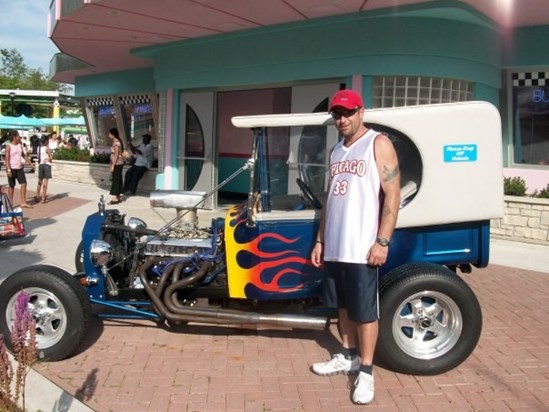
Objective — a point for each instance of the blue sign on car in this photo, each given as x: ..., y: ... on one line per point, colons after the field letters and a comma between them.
x: 460, y: 153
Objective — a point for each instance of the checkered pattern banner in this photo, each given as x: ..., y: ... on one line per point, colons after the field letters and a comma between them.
x: 99, y: 101
x: 136, y: 99
x: 530, y: 79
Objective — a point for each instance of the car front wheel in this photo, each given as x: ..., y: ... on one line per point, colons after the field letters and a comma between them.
x: 57, y: 303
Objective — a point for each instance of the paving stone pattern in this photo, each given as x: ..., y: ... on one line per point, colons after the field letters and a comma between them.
x: 139, y: 366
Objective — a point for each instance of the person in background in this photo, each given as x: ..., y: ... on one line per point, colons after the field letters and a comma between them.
x: 143, y: 161
x: 25, y: 143
x: 116, y: 166
x: 15, y: 157
x: 35, y: 144
x: 72, y: 141
x: 354, y: 235
x: 60, y: 142
x: 84, y: 142
x: 3, y: 140
x: 44, y: 170
x: 52, y: 143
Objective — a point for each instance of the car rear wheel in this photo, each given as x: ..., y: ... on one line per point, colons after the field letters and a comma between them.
x: 430, y: 320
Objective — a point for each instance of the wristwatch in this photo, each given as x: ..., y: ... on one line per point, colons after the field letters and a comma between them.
x: 382, y: 241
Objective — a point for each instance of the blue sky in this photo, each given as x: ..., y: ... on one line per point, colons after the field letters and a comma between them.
x: 24, y: 27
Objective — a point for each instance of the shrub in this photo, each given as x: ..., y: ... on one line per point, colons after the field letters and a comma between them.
x: 514, y: 186
x: 72, y: 153
x: 104, y: 158
x: 75, y: 154
x: 543, y: 193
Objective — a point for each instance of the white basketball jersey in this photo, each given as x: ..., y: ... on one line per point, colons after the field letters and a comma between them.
x: 352, y: 210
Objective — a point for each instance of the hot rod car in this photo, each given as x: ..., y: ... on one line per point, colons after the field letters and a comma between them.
x: 252, y: 267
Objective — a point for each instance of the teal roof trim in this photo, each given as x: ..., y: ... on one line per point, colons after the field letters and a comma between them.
x: 452, y: 10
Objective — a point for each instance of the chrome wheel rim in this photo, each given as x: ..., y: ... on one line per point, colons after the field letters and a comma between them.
x: 48, y: 312
x: 427, y: 325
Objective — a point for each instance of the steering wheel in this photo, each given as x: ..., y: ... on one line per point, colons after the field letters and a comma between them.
x: 309, y: 195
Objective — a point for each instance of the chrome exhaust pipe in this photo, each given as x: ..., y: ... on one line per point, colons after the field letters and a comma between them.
x: 171, y: 310
x: 240, y: 318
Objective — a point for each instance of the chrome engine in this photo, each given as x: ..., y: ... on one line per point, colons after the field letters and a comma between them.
x: 184, y: 244
x: 175, y: 266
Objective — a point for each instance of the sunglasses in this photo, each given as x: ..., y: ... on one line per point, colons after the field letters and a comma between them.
x: 345, y: 113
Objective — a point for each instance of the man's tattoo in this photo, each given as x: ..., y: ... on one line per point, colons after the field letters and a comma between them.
x: 390, y: 174
x: 387, y: 211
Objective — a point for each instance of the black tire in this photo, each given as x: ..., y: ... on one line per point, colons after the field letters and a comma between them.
x: 58, y: 303
x: 430, y: 320
x: 79, y: 257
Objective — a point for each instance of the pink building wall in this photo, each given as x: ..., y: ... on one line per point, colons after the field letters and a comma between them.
x: 535, y: 179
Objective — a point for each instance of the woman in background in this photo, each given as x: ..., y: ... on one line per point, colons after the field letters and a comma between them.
x: 117, y: 166
x: 52, y: 142
x: 44, y: 169
x: 15, y: 157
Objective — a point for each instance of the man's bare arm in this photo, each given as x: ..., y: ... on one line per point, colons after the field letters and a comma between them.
x: 387, y: 164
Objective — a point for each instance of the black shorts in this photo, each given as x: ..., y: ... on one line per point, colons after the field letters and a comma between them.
x: 19, y: 175
x: 44, y: 171
x: 352, y: 286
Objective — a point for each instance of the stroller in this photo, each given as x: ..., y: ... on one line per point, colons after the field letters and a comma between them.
x: 11, y: 220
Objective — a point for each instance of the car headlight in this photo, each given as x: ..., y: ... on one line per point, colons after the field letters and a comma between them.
x: 136, y: 223
x: 101, y: 252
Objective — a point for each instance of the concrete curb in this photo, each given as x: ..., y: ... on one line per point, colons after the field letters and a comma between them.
x: 43, y: 395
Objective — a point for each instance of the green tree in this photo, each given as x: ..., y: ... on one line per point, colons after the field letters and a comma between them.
x: 13, y: 66
x: 15, y: 74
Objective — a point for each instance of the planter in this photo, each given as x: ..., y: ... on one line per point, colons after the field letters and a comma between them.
x: 96, y: 174
x: 526, y: 219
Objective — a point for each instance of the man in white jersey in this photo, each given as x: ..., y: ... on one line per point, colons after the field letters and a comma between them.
x: 354, y: 235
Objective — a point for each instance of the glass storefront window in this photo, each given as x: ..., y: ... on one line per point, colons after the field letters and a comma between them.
x: 531, y: 125
x: 138, y: 120
x: 132, y: 115
x: 105, y: 119
x: 194, y: 149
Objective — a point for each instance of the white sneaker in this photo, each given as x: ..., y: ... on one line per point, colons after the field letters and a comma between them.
x: 364, y: 388
x: 338, y: 364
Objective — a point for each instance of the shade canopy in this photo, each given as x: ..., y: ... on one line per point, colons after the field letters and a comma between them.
x: 24, y: 122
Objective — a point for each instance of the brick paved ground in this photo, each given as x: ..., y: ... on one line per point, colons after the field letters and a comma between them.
x: 56, y: 204
x: 137, y: 366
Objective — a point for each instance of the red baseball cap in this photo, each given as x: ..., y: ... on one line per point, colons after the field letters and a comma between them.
x: 348, y: 99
